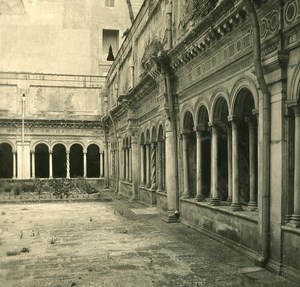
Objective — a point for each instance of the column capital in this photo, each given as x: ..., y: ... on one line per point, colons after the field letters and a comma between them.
x: 255, y: 112
x: 14, y: 151
x: 233, y: 118
x: 200, y: 128
x: 32, y: 151
x: 297, y: 111
x: 250, y: 119
x: 185, y: 132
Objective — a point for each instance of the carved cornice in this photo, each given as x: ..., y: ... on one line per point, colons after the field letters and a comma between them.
x: 207, y: 33
x: 16, y: 123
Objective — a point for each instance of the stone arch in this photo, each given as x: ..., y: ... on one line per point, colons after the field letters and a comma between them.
x: 294, y: 85
x: 188, y: 121
x: 148, y: 137
x: 153, y: 134
x: 201, y: 104
x: 58, y: 143
x: 244, y: 84
x: 187, y: 110
x: 10, y: 143
x: 219, y: 95
x: 41, y: 156
x: 41, y: 142
x: 6, y: 160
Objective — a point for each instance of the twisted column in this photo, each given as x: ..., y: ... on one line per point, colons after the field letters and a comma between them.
x: 153, y: 166
x: 159, y: 166
x: 84, y: 163
x: 229, y: 165
x: 142, y: 147
x: 148, y: 164
x: 68, y: 164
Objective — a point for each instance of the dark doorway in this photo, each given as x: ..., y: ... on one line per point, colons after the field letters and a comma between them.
x: 59, y: 161
x: 93, y: 161
x: 76, y: 161
x: 6, y: 161
x: 41, y: 161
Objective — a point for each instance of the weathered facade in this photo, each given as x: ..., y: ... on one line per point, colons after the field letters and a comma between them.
x: 52, y: 68
x: 202, y: 121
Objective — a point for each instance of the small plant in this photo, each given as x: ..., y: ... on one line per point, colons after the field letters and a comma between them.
x: 25, y: 250
x: 13, y: 253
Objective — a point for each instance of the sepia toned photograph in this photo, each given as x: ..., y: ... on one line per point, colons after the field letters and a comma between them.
x: 149, y: 143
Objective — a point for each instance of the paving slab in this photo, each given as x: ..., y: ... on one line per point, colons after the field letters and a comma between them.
x: 117, y: 243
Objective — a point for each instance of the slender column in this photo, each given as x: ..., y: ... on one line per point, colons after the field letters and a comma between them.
x: 229, y: 159
x: 84, y: 164
x: 163, y: 166
x: 50, y: 165
x: 235, y: 204
x: 214, y: 166
x: 14, y: 163
x: 199, y: 196
x: 159, y: 166
x: 295, y: 219
x: 32, y: 164
x: 101, y: 169
x: 252, y: 203
x: 185, y: 161
x: 142, y: 163
x: 148, y: 164
x: 68, y: 164
x: 129, y: 163
x: 153, y: 166
x: 135, y: 167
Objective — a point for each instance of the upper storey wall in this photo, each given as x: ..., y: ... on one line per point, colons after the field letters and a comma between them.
x: 59, y: 36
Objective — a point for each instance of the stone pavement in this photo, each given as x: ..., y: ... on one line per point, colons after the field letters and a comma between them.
x: 114, y: 244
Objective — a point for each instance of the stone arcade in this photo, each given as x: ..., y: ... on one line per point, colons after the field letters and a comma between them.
x: 198, y: 115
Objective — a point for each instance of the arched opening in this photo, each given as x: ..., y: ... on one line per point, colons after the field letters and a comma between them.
x: 205, y: 155
x: 41, y: 161
x: 247, y: 139
x: 93, y: 161
x: 190, y: 152
x: 6, y: 161
x: 76, y: 161
x: 220, y: 121
x: 59, y: 161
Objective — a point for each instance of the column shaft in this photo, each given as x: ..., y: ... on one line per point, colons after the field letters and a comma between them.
x: 229, y: 159
x: 68, y: 164
x: 185, y: 161
x: 235, y: 205
x: 214, y: 167
x: 142, y: 164
x: 50, y: 165
x: 252, y: 162
x: 129, y: 163
x: 153, y: 166
x: 148, y: 164
x: 199, y: 196
x: 14, y: 164
x: 159, y: 166
x: 84, y: 164
x: 295, y: 219
x: 32, y: 164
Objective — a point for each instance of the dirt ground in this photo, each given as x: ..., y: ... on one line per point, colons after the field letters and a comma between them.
x: 114, y: 244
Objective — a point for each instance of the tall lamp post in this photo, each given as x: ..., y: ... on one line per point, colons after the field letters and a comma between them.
x: 23, y: 132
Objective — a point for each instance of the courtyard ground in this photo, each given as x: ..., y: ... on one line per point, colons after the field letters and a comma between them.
x: 114, y: 243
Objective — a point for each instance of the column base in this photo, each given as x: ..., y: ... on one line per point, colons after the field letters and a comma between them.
x: 186, y: 196
x: 229, y: 199
x: 170, y: 217
x: 215, y: 201
x: 295, y: 221
x: 199, y: 197
x: 252, y: 206
x: 236, y: 206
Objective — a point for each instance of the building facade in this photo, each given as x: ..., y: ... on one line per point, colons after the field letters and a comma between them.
x: 202, y: 121
x: 54, y: 59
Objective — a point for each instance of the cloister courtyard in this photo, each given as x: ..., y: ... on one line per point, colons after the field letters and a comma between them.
x: 114, y: 243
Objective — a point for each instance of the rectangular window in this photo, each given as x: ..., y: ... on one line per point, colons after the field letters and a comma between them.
x: 110, y: 3
x: 110, y: 44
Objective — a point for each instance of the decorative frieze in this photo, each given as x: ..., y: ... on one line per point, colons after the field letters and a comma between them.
x: 291, y: 12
